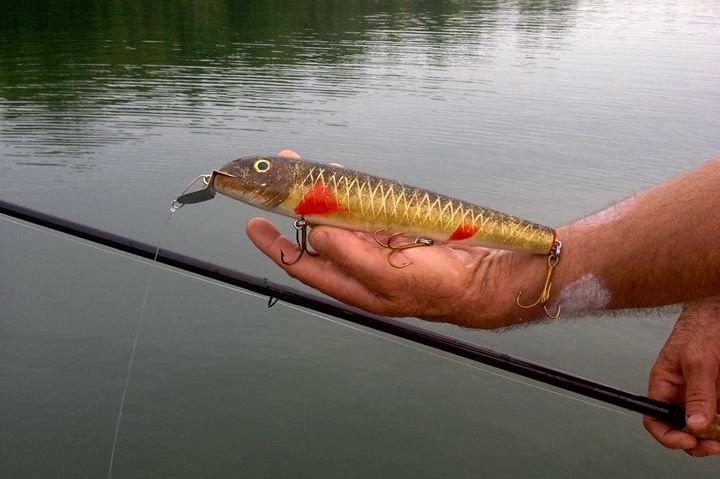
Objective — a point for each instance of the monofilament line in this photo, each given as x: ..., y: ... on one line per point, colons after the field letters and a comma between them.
x: 141, y: 320
x: 127, y: 380
x: 131, y: 361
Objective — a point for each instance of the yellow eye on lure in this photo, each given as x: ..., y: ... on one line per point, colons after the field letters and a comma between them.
x: 321, y: 194
x: 262, y: 165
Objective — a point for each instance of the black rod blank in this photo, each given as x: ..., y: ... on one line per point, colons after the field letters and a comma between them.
x: 669, y: 413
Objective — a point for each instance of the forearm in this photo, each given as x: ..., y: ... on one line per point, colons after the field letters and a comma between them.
x: 658, y: 247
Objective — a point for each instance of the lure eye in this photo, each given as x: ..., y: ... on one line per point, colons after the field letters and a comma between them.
x: 261, y: 165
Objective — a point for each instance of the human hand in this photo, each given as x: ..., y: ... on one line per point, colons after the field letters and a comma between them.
x: 686, y: 371
x: 469, y: 286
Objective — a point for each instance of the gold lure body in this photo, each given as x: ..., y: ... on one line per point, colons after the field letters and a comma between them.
x: 331, y: 195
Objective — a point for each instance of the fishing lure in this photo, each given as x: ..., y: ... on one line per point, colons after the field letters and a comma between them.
x: 320, y: 194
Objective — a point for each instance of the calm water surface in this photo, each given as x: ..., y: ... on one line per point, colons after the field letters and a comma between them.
x: 548, y: 110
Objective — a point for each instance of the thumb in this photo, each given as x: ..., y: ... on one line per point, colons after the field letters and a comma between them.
x: 700, y: 392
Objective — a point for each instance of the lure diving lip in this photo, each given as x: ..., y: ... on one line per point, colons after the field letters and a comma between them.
x: 207, y: 192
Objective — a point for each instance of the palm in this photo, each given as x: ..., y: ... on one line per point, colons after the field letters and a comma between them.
x: 438, y: 285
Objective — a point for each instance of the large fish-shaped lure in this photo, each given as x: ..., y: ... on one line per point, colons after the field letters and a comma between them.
x: 321, y: 194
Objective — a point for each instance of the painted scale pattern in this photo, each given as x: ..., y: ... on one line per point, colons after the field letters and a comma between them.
x: 331, y: 195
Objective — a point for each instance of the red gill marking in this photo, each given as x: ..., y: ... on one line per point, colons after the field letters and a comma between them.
x: 320, y: 200
x: 464, y: 231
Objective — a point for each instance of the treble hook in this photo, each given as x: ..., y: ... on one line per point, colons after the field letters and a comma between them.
x: 552, y: 260
x: 395, y: 248
x: 301, y: 226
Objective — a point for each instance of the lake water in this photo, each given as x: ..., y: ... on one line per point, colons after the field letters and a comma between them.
x: 108, y: 108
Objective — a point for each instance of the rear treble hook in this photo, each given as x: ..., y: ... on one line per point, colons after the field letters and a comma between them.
x: 301, y: 227
x: 553, y: 259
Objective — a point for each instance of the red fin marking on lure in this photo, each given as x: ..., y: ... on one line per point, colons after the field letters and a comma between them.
x: 464, y: 231
x: 320, y: 200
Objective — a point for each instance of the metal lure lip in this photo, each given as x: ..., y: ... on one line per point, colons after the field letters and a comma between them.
x: 207, y: 192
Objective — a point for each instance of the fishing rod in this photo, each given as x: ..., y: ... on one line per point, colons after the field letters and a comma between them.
x: 669, y: 413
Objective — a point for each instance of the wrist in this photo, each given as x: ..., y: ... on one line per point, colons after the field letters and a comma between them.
x: 578, y: 284
x: 700, y: 314
x: 515, y: 272
x: 501, y: 275
x: 574, y: 287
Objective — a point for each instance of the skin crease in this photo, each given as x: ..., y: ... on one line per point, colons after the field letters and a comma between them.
x: 657, y: 248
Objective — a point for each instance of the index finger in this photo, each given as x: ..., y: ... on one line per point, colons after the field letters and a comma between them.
x: 318, y: 272
x: 667, y: 391
x: 667, y: 435
x: 354, y: 254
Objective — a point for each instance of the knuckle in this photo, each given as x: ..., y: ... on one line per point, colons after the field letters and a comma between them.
x: 656, y: 373
x: 695, y: 357
x: 696, y: 398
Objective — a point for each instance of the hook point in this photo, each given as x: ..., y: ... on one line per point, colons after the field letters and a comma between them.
x: 290, y: 263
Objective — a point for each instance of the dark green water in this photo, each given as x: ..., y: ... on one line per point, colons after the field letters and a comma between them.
x: 108, y: 108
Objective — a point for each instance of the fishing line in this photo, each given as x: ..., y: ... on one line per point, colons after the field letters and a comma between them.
x: 141, y: 320
x: 131, y: 361
x: 127, y: 381
x: 305, y: 311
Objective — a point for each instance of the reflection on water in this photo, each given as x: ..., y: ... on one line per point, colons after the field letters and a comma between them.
x: 92, y: 73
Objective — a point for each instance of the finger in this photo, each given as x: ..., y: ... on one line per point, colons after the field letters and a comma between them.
x: 349, y: 252
x: 359, y: 253
x: 665, y: 385
x: 315, y: 271
x: 705, y: 447
x: 695, y: 452
x: 700, y: 392
x: 289, y: 154
x: 269, y: 240
x: 667, y: 435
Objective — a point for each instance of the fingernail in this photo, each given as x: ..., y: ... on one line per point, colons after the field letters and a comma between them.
x: 696, y: 419
x: 319, y: 239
